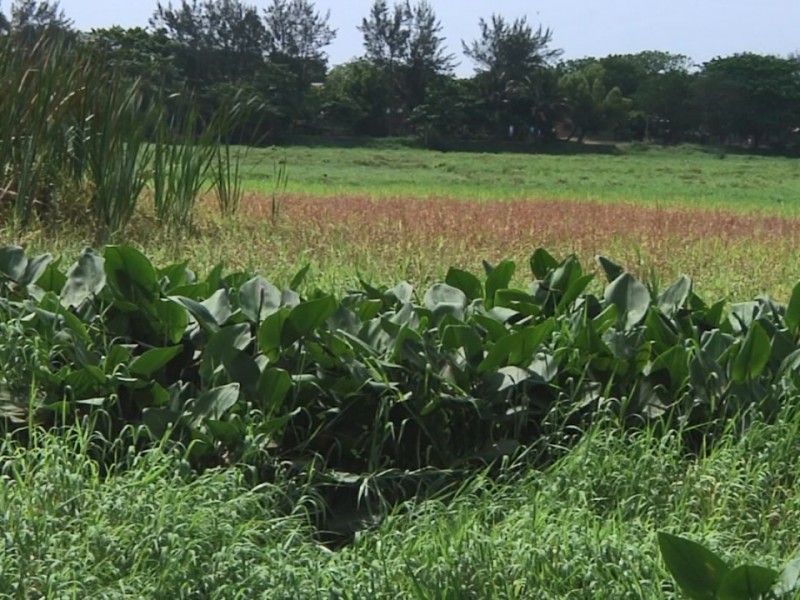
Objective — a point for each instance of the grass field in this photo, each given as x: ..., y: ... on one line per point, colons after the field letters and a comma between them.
x: 583, y: 528
x: 682, y: 175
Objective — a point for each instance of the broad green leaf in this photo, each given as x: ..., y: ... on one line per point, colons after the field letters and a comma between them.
x: 174, y: 319
x: 222, y: 345
x: 174, y: 276
x: 131, y: 275
x: 674, y: 297
x: 565, y: 275
x: 753, y: 356
x: 213, y: 404
x: 159, y: 421
x: 269, y: 334
x: 466, y: 282
x: 573, y: 292
x: 498, y: 279
x: 697, y: 571
x: 258, y: 299
x: 35, y: 269
x: 13, y: 263
x: 462, y: 336
x: 631, y: 299
x: 86, y: 278
x: 789, y: 580
x: 153, y: 360
x: 443, y: 299
x: 611, y: 269
x: 52, y: 279
x: 542, y: 263
x: 273, y: 385
x: 219, y: 306
x: 403, y: 293
x: 747, y: 582
x: 306, y: 317
x: 792, y: 316
x: 517, y: 348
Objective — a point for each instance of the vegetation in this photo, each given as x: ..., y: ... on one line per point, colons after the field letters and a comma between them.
x: 170, y: 430
x: 404, y: 84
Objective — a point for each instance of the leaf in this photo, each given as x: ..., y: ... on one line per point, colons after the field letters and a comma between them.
x: 443, y: 299
x: 498, y: 279
x: 747, y: 582
x: 697, y: 571
x: 517, y: 348
x: 631, y: 299
x: 258, y: 299
x: 789, y: 579
x: 299, y: 277
x: 542, y: 263
x: 611, y: 269
x: 131, y: 275
x: 306, y: 317
x: 674, y: 297
x: 273, y: 385
x: 86, y: 278
x: 13, y: 262
x: 269, y: 334
x: 466, y: 282
x: 219, y: 306
x: 35, y: 269
x: 153, y: 360
x: 213, y: 404
x: 792, y: 316
x: 753, y: 356
x: 403, y: 293
x: 174, y: 318
x: 462, y: 336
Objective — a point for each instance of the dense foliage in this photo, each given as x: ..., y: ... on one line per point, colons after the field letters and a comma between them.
x: 382, y: 378
x: 404, y: 83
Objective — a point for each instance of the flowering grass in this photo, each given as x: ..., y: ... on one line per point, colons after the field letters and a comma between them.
x: 727, y: 254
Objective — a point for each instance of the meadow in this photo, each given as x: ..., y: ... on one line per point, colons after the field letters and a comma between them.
x: 580, y: 524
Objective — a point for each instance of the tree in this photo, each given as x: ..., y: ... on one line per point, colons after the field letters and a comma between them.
x: 31, y: 17
x: 510, y: 51
x: 513, y: 70
x: 750, y: 96
x: 298, y: 36
x: 221, y: 40
x: 405, y: 42
x: 427, y: 58
x: 356, y: 97
x: 592, y: 107
x: 297, y: 30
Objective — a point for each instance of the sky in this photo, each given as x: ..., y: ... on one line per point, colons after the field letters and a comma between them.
x: 700, y: 29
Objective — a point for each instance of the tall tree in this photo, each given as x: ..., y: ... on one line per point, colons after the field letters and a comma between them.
x: 30, y: 17
x: 223, y: 40
x: 297, y: 30
x: 404, y: 41
x: 513, y: 63
x: 427, y: 58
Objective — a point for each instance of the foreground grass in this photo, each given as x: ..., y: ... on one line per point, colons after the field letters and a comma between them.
x: 684, y: 175
x: 585, y: 528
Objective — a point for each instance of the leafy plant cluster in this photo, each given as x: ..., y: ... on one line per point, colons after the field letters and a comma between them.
x: 381, y: 378
x: 702, y: 575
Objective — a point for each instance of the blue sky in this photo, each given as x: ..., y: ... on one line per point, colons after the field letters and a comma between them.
x: 701, y: 29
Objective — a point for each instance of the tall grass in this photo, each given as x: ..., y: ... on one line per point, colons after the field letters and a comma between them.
x: 78, y: 139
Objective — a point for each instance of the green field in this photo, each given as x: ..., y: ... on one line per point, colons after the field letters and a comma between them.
x: 580, y: 525
x: 699, y: 177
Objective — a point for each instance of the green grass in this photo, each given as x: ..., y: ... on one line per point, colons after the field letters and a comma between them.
x: 682, y: 175
x: 584, y: 528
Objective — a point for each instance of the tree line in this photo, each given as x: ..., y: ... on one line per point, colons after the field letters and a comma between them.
x: 404, y: 82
